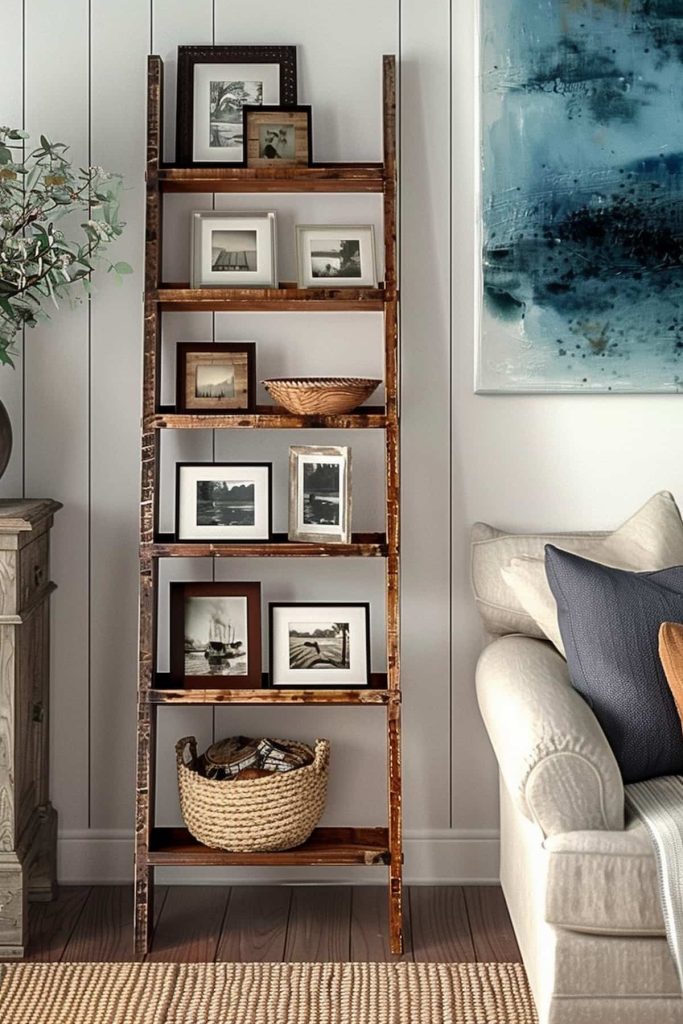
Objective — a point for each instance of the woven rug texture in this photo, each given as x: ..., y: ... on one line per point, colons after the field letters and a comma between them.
x: 230, y: 993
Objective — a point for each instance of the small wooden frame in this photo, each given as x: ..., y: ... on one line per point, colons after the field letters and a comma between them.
x: 310, y: 528
x: 192, y: 357
x: 277, y: 136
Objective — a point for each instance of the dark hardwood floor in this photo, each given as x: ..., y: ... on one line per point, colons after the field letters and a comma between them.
x: 274, y: 923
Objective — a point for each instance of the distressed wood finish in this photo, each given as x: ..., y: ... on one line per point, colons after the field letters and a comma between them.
x: 327, y: 846
x: 27, y: 820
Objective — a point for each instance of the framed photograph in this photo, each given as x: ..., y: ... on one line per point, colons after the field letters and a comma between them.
x: 336, y: 256
x: 214, y: 84
x: 320, y: 494
x: 215, y: 376
x: 216, y: 635
x: 233, y: 250
x: 277, y: 136
x: 224, y: 501
x: 321, y: 644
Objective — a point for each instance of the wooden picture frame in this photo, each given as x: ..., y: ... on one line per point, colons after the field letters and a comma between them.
x: 320, y: 501
x: 313, y: 648
x: 277, y: 136
x: 230, y: 610
x: 192, y: 356
x: 200, y: 140
x: 257, y: 505
x: 233, y: 249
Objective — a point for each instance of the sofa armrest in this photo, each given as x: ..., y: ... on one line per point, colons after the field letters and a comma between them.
x: 553, y: 755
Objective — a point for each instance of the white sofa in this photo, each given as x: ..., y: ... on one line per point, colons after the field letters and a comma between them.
x: 579, y: 880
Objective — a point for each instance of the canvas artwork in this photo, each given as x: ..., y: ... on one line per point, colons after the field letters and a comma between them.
x: 582, y: 189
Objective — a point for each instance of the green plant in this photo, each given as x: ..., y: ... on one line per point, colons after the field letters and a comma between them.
x: 37, y: 260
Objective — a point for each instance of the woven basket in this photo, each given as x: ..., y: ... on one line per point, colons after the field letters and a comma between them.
x: 254, y: 815
x: 306, y: 396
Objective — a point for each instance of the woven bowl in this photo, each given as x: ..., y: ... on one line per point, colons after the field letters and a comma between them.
x: 306, y: 396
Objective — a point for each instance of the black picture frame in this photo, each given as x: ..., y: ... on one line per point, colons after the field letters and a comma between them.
x: 250, y: 111
x: 190, y: 56
x: 269, y: 678
x: 266, y: 539
x: 187, y: 348
x: 179, y: 592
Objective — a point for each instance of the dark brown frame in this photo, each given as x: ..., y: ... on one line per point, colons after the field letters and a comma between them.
x: 249, y: 110
x: 179, y: 593
x: 219, y: 465
x: 184, y: 348
x: 188, y: 56
x: 318, y: 604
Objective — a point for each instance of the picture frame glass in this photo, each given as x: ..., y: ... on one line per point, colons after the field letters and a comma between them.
x: 221, y: 90
x: 320, y: 645
x: 215, y: 378
x: 223, y: 502
x: 216, y: 636
x: 233, y: 250
x: 336, y: 256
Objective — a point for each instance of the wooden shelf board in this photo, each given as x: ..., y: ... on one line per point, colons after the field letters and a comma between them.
x: 181, y: 298
x: 363, y: 545
x: 327, y: 846
x: 163, y: 692
x: 269, y: 417
x: 338, y: 177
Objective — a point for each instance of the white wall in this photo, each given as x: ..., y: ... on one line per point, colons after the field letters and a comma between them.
x: 75, y: 401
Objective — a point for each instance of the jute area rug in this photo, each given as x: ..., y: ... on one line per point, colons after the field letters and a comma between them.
x: 230, y: 993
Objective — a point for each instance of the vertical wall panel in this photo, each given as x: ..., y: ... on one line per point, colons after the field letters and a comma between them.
x: 119, y: 44
x: 425, y: 410
x: 11, y: 105
x: 56, y: 443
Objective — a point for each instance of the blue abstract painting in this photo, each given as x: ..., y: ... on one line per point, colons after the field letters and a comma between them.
x: 582, y: 196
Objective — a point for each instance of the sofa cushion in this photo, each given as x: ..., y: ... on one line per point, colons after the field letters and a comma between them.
x: 604, y: 882
x: 610, y: 620
x: 651, y: 539
x: 671, y: 657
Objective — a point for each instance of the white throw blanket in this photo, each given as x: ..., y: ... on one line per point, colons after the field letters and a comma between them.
x: 659, y: 805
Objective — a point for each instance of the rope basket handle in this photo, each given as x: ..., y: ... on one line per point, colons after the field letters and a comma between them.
x: 322, y: 756
x: 181, y: 747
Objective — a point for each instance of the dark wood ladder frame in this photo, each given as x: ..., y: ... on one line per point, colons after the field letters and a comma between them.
x: 327, y: 846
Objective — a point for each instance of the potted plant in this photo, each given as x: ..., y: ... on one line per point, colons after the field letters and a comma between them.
x: 39, y: 263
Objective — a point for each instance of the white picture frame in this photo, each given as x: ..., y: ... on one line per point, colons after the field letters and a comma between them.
x: 233, y: 249
x: 228, y: 501
x: 336, y: 256
x: 307, y: 640
x: 320, y: 494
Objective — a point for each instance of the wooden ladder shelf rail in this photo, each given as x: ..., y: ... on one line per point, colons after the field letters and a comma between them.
x: 327, y: 846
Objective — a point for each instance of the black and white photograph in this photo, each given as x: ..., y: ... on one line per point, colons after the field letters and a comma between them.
x: 320, y: 494
x: 215, y: 631
x: 277, y: 141
x: 336, y: 256
x: 315, y: 645
x: 225, y: 111
x: 215, y: 376
x: 229, y: 501
x: 215, y: 84
x: 233, y: 249
x: 320, y: 644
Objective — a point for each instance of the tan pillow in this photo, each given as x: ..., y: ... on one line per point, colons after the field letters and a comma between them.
x: 650, y: 539
x: 671, y: 657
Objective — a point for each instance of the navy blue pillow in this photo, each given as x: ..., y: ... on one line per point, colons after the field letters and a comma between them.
x: 609, y: 620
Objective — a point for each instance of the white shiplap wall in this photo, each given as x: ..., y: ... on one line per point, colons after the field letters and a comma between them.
x: 77, y: 393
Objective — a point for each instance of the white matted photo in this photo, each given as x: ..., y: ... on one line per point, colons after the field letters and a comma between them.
x: 320, y: 494
x: 229, y: 501
x: 233, y: 250
x: 336, y: 256
x: 220, y: 93
x: 320, y: 644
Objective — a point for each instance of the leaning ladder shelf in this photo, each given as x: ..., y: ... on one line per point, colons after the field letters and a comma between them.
x: 327, y: 846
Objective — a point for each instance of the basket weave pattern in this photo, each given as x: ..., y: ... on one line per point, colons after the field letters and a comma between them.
x: 307, y: 396
x: 277, y: 812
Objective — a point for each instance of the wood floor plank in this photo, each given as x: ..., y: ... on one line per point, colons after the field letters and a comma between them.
x: 440, y: 926
x: 255, y: 925
x: 319, y: 924
x: 492, y: 932
x: 189, y: 926
x: 51, y: 924
x: 370, y: 926
x: 104, y: 930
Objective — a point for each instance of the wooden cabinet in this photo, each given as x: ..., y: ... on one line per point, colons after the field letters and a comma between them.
x: 28, y: 822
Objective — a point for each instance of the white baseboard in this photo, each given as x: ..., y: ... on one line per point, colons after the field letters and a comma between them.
x: 445, y: 856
